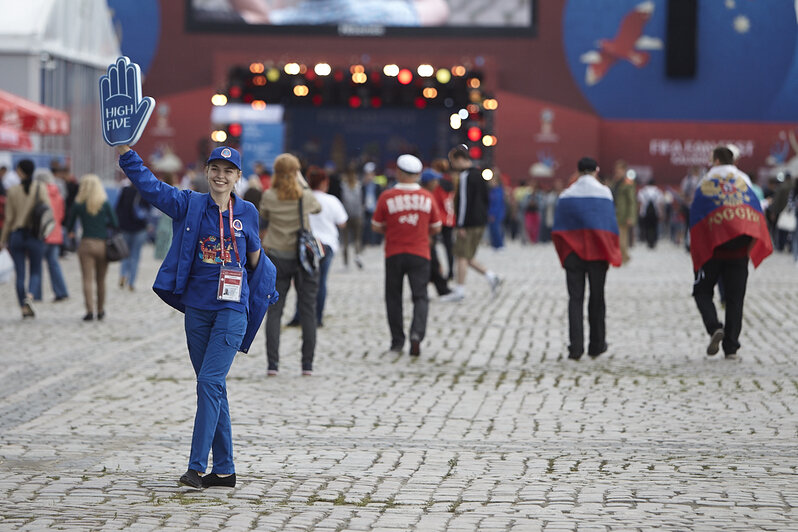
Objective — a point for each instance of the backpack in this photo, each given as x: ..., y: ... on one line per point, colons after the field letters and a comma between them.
x: 651, y: 212
x: 41, y: 221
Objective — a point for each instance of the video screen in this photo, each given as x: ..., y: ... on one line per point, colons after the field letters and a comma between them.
x: 499, y: 18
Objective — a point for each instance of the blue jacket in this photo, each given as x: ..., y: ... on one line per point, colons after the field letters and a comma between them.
x: 185, y: 207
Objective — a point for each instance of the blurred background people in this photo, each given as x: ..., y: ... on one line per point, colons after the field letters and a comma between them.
x: 25, y: 248
x: 95, y: 214
x: 133, y: 213
x: 352, y: 200
x: 54, y: 241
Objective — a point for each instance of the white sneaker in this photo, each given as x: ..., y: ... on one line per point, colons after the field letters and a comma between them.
x: 495, y: 283
x: 452, y: 297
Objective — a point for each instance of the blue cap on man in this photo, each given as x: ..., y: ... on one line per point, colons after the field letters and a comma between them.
x: 226, y: 153
x: 429, y: 175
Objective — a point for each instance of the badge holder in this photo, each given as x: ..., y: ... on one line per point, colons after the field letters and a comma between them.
x: 231, y: 277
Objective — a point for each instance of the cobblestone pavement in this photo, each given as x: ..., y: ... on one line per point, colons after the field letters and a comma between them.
x: 492, y: 429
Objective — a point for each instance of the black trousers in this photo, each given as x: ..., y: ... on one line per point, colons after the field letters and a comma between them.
x: 447, y: 237
x: 576, y: 270
x: 417, y: 270
x: 734, y: 275
x: 307, y: 286
x: 436, y: 271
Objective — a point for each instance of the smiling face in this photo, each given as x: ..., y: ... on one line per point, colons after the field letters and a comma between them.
x: 222, y: 176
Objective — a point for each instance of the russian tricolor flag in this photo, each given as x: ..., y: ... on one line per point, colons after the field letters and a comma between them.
x: 585, y: 224
x: 724, y: 208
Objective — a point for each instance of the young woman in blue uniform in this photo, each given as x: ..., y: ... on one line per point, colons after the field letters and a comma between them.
x: 217, y: 275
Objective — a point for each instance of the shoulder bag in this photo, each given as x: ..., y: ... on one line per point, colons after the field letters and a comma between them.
x: 310, y: 250
x: 41, y: 221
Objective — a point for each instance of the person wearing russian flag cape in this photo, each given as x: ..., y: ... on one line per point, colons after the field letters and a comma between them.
x: 585, y: 235
x: 727, y: 227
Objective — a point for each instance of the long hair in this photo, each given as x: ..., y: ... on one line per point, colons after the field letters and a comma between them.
x: 284, y: 181
x: 91, y: 193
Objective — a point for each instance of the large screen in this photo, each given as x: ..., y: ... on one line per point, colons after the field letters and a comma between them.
x: 499, y: 18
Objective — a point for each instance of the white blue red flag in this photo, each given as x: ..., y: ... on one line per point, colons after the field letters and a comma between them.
x: 585, y: 224
x: 725, y: 208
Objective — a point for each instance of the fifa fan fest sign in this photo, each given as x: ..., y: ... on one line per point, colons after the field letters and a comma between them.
x: 124, y: 111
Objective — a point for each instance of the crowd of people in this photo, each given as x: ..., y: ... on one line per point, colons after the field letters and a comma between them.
x: 218, y: 233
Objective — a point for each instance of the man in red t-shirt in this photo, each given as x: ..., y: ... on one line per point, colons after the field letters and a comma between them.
x: 407, y: 215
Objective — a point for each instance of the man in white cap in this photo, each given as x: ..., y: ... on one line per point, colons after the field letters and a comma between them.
x: 407, y: 215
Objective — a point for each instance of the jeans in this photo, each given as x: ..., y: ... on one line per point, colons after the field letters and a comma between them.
x: 51, y: 254
x: 23, y: 246
x: 307, y: 286
x: 576, y: 270
x: 734, y: 274
x: 213, y: 338
x: 130, y: 266
x: 417, y: 270
x: 496, y: 231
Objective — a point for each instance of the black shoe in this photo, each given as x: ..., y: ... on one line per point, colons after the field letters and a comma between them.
x: 395, y: 349
x: 574, y: 356
x: 415, y: 348
x: 58, y: 299
x: 192, y: 479
x: 293, y: 323
x: 100, y: 315
x: 594, y: 354
x: 732, y: 356
x: 714, y: 342
x: 215, y: 480
x: 88, y: 317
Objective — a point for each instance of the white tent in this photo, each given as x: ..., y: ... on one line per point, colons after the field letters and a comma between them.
x: 52, y: 52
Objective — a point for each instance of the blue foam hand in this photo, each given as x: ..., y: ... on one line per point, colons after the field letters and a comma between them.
x: 124, y: 112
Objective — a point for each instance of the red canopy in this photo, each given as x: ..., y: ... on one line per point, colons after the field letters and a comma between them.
x: 14, y: 139
x: 26, y: 115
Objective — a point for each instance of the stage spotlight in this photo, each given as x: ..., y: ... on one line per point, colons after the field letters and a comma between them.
x: 475, y: 152
x: 458, y: 71
x: 256, y: 68
x: 259, y: 81
x: 487, y: 174
x: 490, y: 104
x: 455, y: 121
x: 474, y: 83
x: 443, y: 76
x: 488, y: 140
x: 235, y: 91
x: 219, y: 100
x: 322, y: 69
x: 404, y: 76
x: 356, y: 69
x: 218, y: 136
x: 258, y: 105
x: 292, y: 69
x: 391, y: 71
x: 301, y: 90
x: 359, y: 77
x: 355, y: 101
x: 425, y: 71
x: 420, y: 102
x: 235, y: 129
x: 463, y: 113
x: 430, y: 93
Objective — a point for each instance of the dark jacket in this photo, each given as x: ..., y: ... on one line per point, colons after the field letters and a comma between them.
x: 185, y: 207
x: 476, y: 198
x: 131, y: 210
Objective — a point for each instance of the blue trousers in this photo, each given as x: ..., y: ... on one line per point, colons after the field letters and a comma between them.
x: 25, y: 248
x: 51, y: 255
x: 129, y: 267
x: 213, y: 338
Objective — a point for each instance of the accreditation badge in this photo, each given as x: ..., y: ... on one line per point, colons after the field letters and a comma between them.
x: 231, y: 281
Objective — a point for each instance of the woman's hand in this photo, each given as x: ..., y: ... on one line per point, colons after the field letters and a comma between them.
x: 122, y: 149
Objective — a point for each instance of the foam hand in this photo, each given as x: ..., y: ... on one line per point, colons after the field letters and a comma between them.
x: 124, y: 112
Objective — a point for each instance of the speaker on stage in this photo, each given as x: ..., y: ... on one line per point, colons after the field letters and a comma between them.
x: 680, y: 39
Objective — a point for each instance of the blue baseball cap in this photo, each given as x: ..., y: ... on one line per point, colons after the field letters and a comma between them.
x: 225, y: 153
x: 429, y: 175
